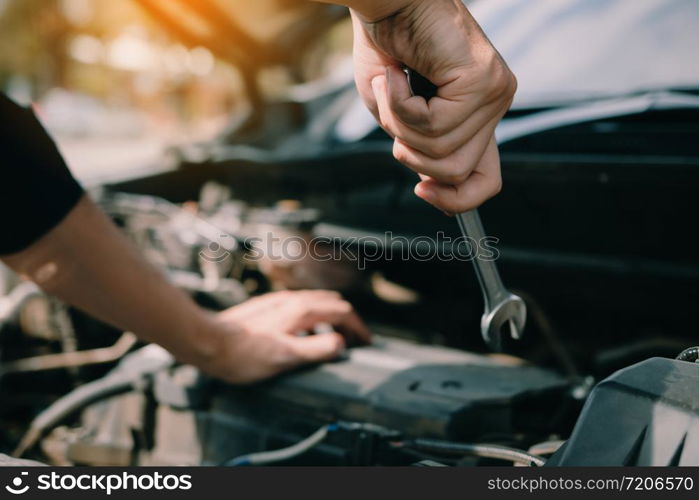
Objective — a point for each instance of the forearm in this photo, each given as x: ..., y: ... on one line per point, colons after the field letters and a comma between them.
x: 88, y: 263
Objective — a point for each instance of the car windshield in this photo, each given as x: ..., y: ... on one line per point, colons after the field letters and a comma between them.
x: 570, y: 50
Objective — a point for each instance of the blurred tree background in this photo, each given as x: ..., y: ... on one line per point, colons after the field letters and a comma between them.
x: 34, y: 36
x: 135, y: 75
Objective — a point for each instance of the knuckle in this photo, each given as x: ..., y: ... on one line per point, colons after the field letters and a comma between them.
x: 493, y: 188
x: 344, y: 307
x: 384, y: 125
x: 338, y: 343
x: 401, y: 157
x: 288, y: 355
x: 501, y: 83
x: 497, y: 187
x: 514, y: 85
x: 400, y: 153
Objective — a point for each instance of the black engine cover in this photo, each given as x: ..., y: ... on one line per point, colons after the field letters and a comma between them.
x: 645, y: 415
x: 396, y: 386
x: 418, y: 390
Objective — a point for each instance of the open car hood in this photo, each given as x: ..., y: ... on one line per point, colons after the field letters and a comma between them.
x: 564, y: 51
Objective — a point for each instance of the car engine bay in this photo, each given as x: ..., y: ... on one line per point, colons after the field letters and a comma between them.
x: 594, y: 230
x: 414, y: 396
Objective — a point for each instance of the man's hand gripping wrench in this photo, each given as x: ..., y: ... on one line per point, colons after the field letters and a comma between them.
x: 505, y: 312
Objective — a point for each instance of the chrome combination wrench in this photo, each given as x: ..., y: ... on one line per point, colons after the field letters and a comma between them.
x: 505, y: 313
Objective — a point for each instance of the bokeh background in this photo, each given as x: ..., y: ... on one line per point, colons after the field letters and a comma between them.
x: 117, y: 82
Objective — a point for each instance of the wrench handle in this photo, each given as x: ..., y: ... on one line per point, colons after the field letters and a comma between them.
x: 486, y: 270
x: 469, y: 222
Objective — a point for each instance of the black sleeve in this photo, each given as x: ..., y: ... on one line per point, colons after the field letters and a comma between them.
x: 36, y: 188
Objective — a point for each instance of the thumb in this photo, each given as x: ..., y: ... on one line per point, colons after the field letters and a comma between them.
x: 318, y: 348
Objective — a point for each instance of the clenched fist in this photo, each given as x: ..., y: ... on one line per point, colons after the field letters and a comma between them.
x: 448, y: 140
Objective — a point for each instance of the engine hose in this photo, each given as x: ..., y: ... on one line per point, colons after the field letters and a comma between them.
x: 479, y: 450
x: 269, y: 457
x: 691, y: 355
x: 133, y: 371
x: 74, y: 359
x: 72, y: 402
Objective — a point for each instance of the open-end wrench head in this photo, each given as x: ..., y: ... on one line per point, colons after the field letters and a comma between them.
x: 507, y: 317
